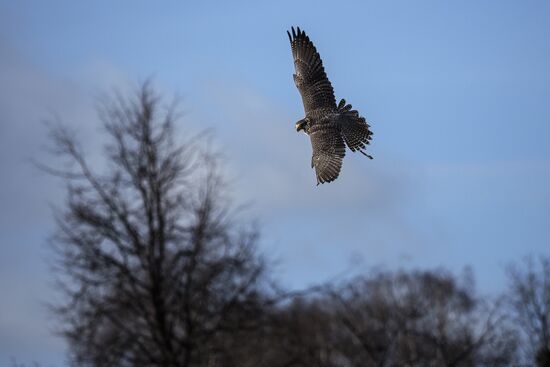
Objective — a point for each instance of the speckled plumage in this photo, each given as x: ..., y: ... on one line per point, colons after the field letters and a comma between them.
x: 330, y: 127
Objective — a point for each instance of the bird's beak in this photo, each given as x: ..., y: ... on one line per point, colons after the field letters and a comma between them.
x: 300, y: 126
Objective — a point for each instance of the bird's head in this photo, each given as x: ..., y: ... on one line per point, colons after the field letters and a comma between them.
x: 301, y: 125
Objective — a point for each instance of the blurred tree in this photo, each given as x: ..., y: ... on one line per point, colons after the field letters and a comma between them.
x: 420, y: 319
x: 296, y: 334
x: 154, y: 268
x: 387, y: 319
x: 530, y: 300
x: 303, y: 334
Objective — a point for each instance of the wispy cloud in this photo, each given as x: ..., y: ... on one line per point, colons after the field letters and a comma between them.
x: 362, y: 214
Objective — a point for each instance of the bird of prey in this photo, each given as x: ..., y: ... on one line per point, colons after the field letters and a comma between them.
x: 330, y: 127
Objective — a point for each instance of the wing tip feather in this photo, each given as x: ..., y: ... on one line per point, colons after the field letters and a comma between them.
x: 296, y: 34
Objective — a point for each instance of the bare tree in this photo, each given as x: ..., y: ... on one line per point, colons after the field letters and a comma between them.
x: 420, y: 319
x: 155, y: 270
x: 530, y: 300
x: 427, y: 318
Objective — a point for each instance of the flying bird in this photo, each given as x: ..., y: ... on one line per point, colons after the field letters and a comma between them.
x: 330, y: 127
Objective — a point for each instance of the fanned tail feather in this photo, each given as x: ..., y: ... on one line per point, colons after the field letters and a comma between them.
x: 355, y: 129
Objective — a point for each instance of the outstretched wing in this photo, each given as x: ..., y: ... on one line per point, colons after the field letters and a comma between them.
x: 310, y: 77
x: 354, y: 128
x: 328, y: 151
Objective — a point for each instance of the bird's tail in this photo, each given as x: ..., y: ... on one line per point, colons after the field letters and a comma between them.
x: 354, y: 128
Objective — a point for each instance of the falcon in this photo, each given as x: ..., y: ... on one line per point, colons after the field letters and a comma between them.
x: 330, y: 127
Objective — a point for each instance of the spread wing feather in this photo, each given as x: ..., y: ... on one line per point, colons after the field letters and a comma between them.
x: 328, y: 151
x: 310, y: 78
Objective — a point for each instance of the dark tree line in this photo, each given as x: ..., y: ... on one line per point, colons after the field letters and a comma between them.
x: 157, y: 270
x: 392, y: 319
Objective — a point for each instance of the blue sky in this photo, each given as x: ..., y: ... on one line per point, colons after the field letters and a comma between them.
x: 457, y: 94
